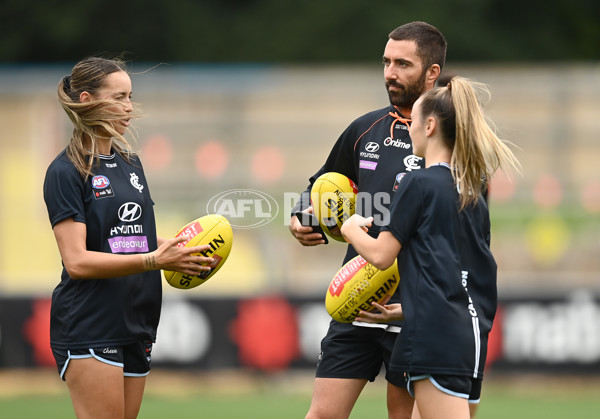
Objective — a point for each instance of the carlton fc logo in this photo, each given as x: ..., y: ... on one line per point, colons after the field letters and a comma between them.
x: 412, y: 162
x: 135, y: 182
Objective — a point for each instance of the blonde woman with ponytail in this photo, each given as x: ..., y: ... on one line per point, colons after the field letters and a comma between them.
x: 439, y: 231
x: 106, y: 307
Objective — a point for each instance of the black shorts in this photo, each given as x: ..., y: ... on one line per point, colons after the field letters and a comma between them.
x: 454, y: 385
x: 349, y: 351
x: 135, y: 358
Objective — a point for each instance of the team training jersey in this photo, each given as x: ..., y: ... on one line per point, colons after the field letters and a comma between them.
x: 448, y: 277
x: 115, y: 205
x: 373, y: 151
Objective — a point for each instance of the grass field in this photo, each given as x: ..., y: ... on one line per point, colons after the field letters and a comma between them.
x: 228, y: 395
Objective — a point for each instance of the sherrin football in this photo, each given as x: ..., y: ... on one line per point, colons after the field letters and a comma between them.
x: 356, y: 285
x: 214, y: 230
x: 333, y: 198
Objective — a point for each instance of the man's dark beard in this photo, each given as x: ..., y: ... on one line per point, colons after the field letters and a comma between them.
x: 406, y: 97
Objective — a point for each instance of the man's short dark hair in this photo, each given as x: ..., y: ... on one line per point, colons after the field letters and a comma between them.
x: 431, y: 44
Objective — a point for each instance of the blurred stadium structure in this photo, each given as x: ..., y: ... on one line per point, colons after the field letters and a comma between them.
x: 210, y: 129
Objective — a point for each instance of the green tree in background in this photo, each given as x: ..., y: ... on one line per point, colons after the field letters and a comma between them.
x: 286, y: 31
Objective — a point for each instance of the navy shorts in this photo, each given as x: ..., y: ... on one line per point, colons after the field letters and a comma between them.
x: 454, y: 385
x: 135, y: 358
x: 349, y: 351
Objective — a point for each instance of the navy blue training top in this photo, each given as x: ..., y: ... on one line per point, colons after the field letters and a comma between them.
x: 448, y: 277
x: 115, y: 205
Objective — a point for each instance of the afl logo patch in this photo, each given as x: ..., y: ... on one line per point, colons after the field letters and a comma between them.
x: 100, y: 182
x: 101, y: 187
x: 399, y: 177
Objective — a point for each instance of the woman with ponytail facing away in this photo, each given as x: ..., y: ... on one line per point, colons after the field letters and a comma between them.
x: 439, y: 231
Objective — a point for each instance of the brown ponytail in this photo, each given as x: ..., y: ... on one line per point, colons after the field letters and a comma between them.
x: 90, y: 118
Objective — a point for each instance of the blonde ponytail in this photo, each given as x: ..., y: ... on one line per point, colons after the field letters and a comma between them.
x: 477, y: 152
